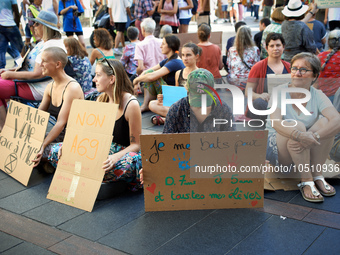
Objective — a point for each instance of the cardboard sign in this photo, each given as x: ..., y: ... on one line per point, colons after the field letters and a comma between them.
x: 21, y: 139
x: 171, y: 94
x: 322, y: 4
x: 86, y: 146
x: 169, y: 161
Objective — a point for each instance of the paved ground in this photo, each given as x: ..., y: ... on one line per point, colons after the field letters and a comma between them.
x: 32, y: 224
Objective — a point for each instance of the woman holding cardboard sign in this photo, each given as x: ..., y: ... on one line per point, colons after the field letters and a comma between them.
x: 304, y: 141
x: 57, y: 99
x: 124, y: 160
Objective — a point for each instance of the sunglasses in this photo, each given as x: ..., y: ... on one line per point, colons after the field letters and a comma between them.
x: 104, y: 58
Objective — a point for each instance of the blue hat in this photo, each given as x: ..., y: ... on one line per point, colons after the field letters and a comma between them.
x: 48, y: 19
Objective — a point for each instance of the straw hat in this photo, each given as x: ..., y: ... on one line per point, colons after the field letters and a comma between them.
x: 295, y: 8
x: 48, y: 19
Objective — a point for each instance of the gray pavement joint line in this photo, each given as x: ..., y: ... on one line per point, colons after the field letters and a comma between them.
x: 14, y: 245
x: 271, y: 215
x: 314, y: 241
x: 182, y: 231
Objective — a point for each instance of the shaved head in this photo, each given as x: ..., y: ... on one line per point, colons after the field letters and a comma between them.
x: 57, y: 54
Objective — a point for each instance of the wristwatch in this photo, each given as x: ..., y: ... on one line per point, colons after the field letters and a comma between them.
x: 317, y: 136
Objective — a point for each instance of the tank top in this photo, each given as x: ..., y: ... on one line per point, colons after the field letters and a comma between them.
x: 181, y: 80
x: 121, y: 131
x: 54, y: 111
x: 107, y: 57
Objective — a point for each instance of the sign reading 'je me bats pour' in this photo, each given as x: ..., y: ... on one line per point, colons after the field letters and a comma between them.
x: 21, y: 139
x: 203, y: 170
x: 86, y: 146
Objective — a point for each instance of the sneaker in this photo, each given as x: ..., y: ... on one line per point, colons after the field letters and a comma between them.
x: 117, y: 52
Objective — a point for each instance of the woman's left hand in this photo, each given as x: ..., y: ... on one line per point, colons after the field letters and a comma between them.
x: 111, y: 160
x: 296, y: 146
x: 307, y: 140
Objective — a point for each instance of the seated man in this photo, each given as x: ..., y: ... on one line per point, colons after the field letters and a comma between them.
x: 64, y: 90
x: 148, y: 52
x: 257, y: 79
x: 186, y: 114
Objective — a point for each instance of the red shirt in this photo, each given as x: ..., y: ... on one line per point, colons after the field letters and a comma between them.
x: 329, y: 78
x: 210, y: 59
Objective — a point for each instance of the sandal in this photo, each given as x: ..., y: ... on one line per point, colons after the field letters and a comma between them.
x: 159, y: 120
x: 326, y: 186
x: 314, y: 192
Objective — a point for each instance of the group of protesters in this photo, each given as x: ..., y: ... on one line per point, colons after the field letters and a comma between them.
x: 286, y: 45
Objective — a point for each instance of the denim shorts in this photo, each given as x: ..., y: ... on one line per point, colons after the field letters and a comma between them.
x: 184, y: 21
x: 224, y: 8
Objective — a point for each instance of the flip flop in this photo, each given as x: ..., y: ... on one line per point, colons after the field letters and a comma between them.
x: 159, y: 120
x: 326, y: 186
x: 314, y: 192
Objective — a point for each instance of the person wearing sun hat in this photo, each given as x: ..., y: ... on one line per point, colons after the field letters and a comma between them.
x: 46, y: 28
x: 186, y: 116
x: 297, y: 35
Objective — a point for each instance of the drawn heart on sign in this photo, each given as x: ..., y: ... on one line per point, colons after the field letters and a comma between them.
x: 253, y: 203
x: 152, y: 188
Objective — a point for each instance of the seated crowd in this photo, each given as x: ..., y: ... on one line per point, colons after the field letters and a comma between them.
x: 147, y: 65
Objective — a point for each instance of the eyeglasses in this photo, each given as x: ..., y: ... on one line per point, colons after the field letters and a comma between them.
x: 301, y: 70
x: 36, y: 24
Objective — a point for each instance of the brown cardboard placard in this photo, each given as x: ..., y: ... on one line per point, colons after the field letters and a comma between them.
x: 169, y: 185
x: 21, y: 139
x: 86, y: 146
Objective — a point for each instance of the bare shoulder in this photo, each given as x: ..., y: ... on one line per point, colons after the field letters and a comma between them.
x: 74, y: 90
x: 133, y: 108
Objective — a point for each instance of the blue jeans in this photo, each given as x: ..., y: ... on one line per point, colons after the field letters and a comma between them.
x: 13, y: 52
x: 9, y: 35
x: 256, y: 11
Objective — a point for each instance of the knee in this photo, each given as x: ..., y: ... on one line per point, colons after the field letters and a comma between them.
x: 153, y: 105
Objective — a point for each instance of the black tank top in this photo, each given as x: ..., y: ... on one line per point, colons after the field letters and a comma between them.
x: 181, y: 80
x: 121, y: 131
x: 54, y: 111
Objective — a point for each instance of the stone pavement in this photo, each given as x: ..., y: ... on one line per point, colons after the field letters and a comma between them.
x: 32, y: 224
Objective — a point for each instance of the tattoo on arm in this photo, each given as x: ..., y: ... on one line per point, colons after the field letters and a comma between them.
x: 132, y: 139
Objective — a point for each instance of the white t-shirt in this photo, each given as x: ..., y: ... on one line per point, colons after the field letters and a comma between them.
x: 118, y: 9
x: 38, y: 88
x: 225, y: 2
x: 318, y: 102
x: 184, y: 14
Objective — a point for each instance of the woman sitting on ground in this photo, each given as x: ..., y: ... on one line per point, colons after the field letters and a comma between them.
x: 186, y: 116
x: 330, y: 66
x: 307, y: 144
x: 190, y: 55
x: 161, y: 74
x: 57, y: 100
x: 241, y: 57
x: 211, y: 56
x: 46, y: 28
x: 77, y: 55
x: 257, y: 79
x: 104, y: 43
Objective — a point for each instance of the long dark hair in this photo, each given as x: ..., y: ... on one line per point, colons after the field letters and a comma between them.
x: 173, y: 43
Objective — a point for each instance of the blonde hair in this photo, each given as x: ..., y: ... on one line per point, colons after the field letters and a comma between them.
x: 243, y: 40
x: 49, y: 33
x: 122, y: 81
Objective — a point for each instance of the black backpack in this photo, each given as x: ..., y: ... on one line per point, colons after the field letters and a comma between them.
x: 194, y: 9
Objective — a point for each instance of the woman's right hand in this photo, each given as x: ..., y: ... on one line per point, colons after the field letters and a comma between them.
x: 141, y: 177
x: 136, y: 89
x: 160, y: 98
x: 265, y: 96
x: 74, y: 7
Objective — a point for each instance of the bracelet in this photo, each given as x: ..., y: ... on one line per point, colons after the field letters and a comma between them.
x: 311, y: 13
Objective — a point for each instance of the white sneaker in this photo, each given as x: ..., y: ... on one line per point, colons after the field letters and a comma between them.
x: 117, y: 52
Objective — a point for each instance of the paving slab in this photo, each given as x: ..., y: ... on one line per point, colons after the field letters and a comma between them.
x: 216, y: 234
x: 79, y: 246
x: 26, y: 199
x: 281, y: 195
x: 108, y: 218
x: 53, y: 213
x: 9, y: 186
x: 3, y: 175
x: 326, y: 243
x: 27, y: 249
x: 8, y: 241
x: 30, y: 230
x: 152, y: 230
x: 279, y: 236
